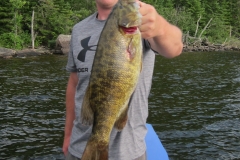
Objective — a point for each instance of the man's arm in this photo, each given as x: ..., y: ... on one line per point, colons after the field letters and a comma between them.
x: 70, y: 110
x: 164, y: 38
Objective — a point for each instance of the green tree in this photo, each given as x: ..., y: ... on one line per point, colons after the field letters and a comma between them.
x: 6, y: 16
x: 15, y: 36
x: 234, y: 8
x: 52, y: 19
x: 17, y: 5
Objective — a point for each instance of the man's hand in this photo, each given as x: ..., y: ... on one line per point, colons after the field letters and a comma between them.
x: 66, y: 143
x: 163, y: 37
x: 150, y: 21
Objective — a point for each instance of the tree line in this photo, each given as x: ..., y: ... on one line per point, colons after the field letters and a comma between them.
x: 24, y: 22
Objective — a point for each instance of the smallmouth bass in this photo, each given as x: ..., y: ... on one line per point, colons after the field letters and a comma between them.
x: 114, y: 76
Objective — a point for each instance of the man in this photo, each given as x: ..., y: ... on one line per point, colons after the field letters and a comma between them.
x: 159, y: 36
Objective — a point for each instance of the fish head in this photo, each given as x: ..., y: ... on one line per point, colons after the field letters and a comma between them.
x: 129, y: 16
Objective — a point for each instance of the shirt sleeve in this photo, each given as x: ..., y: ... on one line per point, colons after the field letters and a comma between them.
x: 71, y: 66
x: 147, y: 46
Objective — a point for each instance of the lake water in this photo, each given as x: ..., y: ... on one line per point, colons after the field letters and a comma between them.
x: 194, y: 106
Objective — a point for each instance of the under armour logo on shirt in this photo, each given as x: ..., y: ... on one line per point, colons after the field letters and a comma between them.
x: 84, y: 44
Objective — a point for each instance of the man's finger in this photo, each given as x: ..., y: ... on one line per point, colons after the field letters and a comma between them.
x: 143, y: 28
x: 143, y: 8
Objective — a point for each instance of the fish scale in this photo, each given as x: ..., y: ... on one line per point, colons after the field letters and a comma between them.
x: 116, y: 68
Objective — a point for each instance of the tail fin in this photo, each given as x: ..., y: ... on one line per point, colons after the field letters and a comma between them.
x: 94, y: 152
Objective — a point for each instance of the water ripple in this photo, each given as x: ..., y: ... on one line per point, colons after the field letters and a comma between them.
x: 194, y: 106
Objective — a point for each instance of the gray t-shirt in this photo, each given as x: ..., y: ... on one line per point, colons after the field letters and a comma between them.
x: 129, y: 143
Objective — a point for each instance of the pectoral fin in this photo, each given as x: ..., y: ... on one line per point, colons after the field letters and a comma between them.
x: 131, y: 51
x: 87, y: 112
x: 122, y: 119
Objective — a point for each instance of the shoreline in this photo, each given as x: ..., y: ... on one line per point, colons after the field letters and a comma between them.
x: 6, y: 53
x: 210, y: 48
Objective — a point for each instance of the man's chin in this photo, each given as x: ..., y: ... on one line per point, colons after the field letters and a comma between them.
x: 106, y: 4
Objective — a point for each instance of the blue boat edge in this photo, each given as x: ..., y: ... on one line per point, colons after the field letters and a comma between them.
x: 155, y: 149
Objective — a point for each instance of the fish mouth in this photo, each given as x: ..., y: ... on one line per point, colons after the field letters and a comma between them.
x: 129, y: 30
